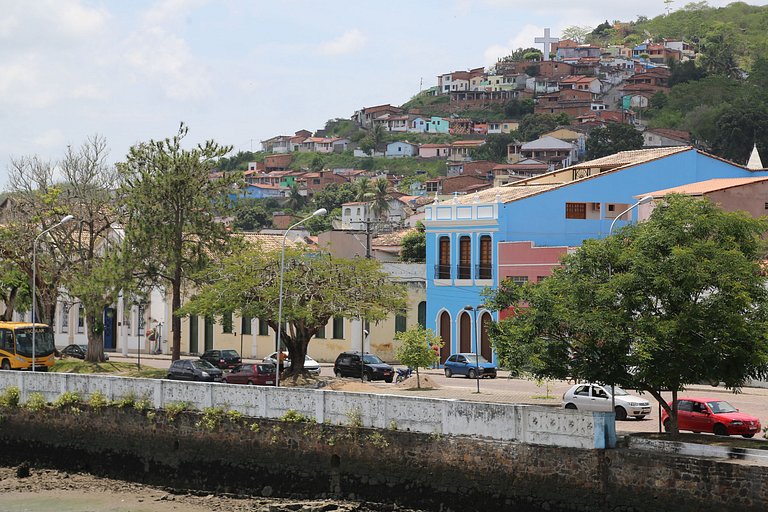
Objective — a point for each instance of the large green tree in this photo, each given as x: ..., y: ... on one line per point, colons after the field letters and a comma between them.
x: 673, y: 301
x: 317, y: 288
x: 172, y: 204
x: 612, y: 138
x: 415, y: 245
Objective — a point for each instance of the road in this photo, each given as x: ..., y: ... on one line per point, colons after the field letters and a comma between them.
x: 505, y: 390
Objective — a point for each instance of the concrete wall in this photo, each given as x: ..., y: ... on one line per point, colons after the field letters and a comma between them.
x: 508, y: 422
x: 414, y: 470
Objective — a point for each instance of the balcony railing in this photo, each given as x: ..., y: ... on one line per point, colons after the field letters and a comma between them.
x: 484, y: 271
x: 442, y: 271
x: 463, y: 271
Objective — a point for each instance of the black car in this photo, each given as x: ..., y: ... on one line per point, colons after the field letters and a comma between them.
x: 224, y: 359
x: 194, y: 369
x: 348, y: 364
x: 77, y: 351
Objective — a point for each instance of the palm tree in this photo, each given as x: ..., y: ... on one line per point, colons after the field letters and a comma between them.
x: 295, y: 199
x: 380, y: 198
x: 362, y: 189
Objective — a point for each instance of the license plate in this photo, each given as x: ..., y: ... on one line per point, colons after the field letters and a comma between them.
x: 270, y: 382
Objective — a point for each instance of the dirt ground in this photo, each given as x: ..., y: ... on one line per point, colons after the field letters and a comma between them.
x: 55, y: 491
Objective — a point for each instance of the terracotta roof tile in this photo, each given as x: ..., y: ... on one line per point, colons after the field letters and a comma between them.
x: 703, y: 187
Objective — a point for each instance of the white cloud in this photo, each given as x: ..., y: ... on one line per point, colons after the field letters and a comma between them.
x: 524, y: 38
x: 50, y: 139
x: 349, y: 42
x: 166, y: 12
x: 164, y: 60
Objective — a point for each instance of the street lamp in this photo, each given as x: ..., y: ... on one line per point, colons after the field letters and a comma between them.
x: 641, y: 201
x: 140, y: 326
x: 644, y: 200
x: 474, y: 336
x: 278, y: 342
x: 64, y: 220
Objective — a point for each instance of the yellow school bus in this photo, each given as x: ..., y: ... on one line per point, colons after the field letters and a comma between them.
x: 16, y: 346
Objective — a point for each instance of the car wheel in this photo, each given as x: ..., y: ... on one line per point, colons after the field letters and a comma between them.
x: 719, y: 430
x: 388, y: 381
x: 640, y: 417
x: 366, y: 377
x: 471, y: 374
x: 667, y: 425
x: 6, y: 365
x: 250, y: 383
x: 493, y: 376
x: 448, y: 373
x: 748, y: 436
x: 621, y: 413
x: 337, y: 373
x: 570, y: 406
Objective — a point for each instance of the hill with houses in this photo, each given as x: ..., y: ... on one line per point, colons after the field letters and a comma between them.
x: 530, y: 113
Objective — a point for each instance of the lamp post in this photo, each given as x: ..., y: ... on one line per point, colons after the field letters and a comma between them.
x: 474, y: 336
x: 64, y: 220
x: 643, y: 200
x: 278, y: 342
x: 140, y: 328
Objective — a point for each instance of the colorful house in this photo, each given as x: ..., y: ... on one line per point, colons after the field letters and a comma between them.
x: 477, y: 240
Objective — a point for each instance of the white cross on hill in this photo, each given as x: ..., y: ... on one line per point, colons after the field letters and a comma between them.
x: 547, y: 42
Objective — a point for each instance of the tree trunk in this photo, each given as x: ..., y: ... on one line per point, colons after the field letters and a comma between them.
x: 175, y: 319
x: 95, y: 353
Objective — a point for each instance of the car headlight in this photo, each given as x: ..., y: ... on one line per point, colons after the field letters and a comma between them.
x: 206, y: 374
x: 737, y: 422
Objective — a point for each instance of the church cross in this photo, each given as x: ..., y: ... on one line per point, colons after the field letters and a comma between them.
x: 547, y: 42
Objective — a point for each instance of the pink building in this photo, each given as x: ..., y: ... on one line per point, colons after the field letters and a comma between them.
x: 523, y: 262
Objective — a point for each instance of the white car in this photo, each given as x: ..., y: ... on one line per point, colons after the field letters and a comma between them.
x: 310, y: 365
x: 597, y: 397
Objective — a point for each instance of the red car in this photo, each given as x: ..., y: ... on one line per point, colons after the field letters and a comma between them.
x: 261, y: 374
x: 711, y: 415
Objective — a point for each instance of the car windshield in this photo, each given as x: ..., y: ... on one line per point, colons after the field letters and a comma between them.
x: 202, y: 364
x: 617, y: 391
x: 43, y: 341
x: 371, y: 359
x: 266, y: 368
x: 721, y: 406
x: 473, y: 359
x: 229, y: 353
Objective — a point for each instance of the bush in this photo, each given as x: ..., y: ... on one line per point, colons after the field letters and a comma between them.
x: 174, y: 408
x: 10, y: 397
x: 294, y: 417
x: 98, y: 400
x: 36, y: 402
x: 67, y: 399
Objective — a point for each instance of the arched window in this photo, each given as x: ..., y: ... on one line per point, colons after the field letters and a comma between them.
x: 464, y: 271
x: 444, y: 259
x: 422, y: 314
x: 485, y: 267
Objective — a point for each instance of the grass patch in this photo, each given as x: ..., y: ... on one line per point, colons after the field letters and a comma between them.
x: 108, y: 367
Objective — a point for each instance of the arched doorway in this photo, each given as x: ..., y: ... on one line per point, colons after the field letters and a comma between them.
x: 465, y: 333
x: 485, y: 343
x: 445, y: 335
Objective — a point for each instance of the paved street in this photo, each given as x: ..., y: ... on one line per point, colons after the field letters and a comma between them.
x: 505, y: 390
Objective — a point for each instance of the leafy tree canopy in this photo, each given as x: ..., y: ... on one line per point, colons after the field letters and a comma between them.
x: 533, y: 126
x: 673, y: 301
x: 419, y: 348
x: 614, y: 137
x: 495, y: 147
x: 415, y: 245
x: 317, y: 287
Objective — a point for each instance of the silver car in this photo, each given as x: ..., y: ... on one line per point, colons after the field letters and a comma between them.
x: 310, y: 365
x: 597, y: 397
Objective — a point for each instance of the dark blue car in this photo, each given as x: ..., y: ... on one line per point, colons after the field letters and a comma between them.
x: 469, y: 365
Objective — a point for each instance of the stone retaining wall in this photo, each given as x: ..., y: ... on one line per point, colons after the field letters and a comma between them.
x: 426, y: 471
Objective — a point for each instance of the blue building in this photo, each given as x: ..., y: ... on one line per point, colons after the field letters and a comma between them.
x: 467, y: 236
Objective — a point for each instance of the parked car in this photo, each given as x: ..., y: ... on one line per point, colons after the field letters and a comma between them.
x: 711, y: 415
x: 354, y: 364
x: 470, y: 365
x: 194, y: 369
x: 312, y: 366
x: 261, y: 374
x: 597, y: 397
x: 223, y: 359
x: 77, y: 351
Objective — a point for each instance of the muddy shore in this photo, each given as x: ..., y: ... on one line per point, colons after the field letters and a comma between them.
x: 46, y: 490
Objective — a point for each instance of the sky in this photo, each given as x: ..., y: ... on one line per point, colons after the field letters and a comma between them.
x: 242, y: 71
